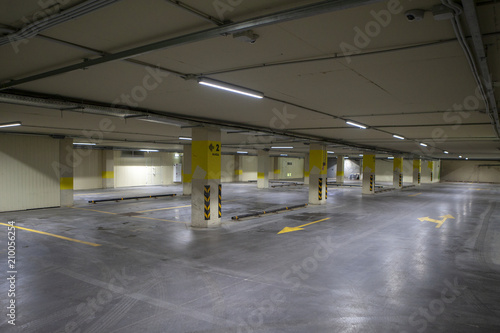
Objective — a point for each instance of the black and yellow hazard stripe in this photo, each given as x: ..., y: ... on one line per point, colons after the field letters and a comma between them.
x: 207, y: 202
x: 326, y: 190
x: 431, y: 176
x: 400, y: 179
x: 371, y: 183
x: 220, y: 200
x: 418, y: 177
x: 320, y: 188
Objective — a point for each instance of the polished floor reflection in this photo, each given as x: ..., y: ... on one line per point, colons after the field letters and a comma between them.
x: 424, y: 259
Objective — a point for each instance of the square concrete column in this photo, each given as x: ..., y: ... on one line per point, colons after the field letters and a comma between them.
x: 368, y: 186
x: 206, y: 182
x: 417, y: 169
x: 186, y: 170
x: 430, y: 167
x: 238, y: 168
x: 340, y: 169
x: 397, y: 178
x: 317, y: 174
x: 276, y: 166
x: 108, y: 169
x: 263, y: 169
x: 66, y: 163
x: 306, y: 170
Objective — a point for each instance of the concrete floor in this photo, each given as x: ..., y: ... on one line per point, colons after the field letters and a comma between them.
x: 368, y: 265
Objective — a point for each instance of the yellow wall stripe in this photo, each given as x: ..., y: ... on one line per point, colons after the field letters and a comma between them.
x: 238, y: 172
x: 260, y: 175
x: 108, y: 174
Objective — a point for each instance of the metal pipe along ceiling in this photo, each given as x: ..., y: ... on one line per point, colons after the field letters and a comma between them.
x: 282, y: 16
x: 34, y: 28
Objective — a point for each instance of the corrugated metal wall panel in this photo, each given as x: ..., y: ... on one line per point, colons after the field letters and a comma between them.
x: 88, y: 172
x: 29, y: 177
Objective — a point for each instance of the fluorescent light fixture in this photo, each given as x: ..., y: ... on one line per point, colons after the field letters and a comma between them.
x: 13, y: 124
x: 346, y: 158
x: 466, y: 158
x: 83, y: 144
x: 390, y: 158
x: 283, y: 154
x: 230, y: 87
x: 150, y: 150
x: 331, y: 152
x: 460, y: 156
x: 446, y: 152
x: 177, y: 155
x: 423, y: 144
x: 284, y: 147
x: 348, y: 122
x: 185, y: 138
x: 398, y: 137
x: 242, y: 152
x: 360, y: 154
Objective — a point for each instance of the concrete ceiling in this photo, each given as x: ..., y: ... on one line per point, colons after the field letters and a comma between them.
x: 406, y: 78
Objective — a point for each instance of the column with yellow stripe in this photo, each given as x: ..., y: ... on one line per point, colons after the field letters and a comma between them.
x: 66, y: 161
x: 430, y: 171
x: 263, y: 169
x: 108, y: 166
x: 206, y: 174
x: 238, y: 168
x: 186, y: 170
x: 417, y: 169
x: 397, y: 174
x: 276, y: 167
x: 368, y: 185
x: 306, y: 169
x: 317, y: 174
x: 340, y: 169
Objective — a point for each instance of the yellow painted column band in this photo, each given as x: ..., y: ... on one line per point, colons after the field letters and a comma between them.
x: 417, y: 165
x: 398, y: 164
x: 66, y: 183
x: 430, y: 164
x: 369, y: 162
x: 260, y: 175
x: 108, y: 174
x: 186, y: 177
x: 340, y: 173
x: 277, y: 171
x: 306, y: 173
x: 317, y: 161
x: 238, y: 172
x: 206, y: 162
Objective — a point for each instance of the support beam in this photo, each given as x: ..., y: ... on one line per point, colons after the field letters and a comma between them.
x: 66, y: 171
x: 186, y: 170
x: 417, y: 172
x: 397, y: 178
x: 368, y: 186
x: 108, y: 169
x: 206, y: 177
x: 340, y: 169
x: 238, y: 168
x: 263, y: 169
x: 275, y: 18
x: 317, y: 174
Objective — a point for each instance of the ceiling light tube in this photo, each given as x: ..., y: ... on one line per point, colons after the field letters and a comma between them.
x: 445, y: 152
x: 423, y: 144
x: 149, y: 150
x: 83, y: 144
x: 390, y: 157
x: 242, y: 152
x: 348, y: 122
x: 283, y: 154
x: 398, y: 137
x: 281, y: 147
x: 185, y: 138
x: 229, y: 87
x: 12, y: 124
x: 331, y: 152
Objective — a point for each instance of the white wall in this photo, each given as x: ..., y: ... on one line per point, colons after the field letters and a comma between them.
x: 471, y: 171
x: 249, y: 168
x: 29, y: 177
x: 150, y: 169
x: 384, y: 170
x: 227, y: 168
x: 293, y: 170
x: 88, y: 170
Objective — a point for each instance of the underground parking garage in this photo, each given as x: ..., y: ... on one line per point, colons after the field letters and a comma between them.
x: 249, y: 166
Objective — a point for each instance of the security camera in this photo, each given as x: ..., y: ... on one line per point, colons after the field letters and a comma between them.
x: 414, y: 15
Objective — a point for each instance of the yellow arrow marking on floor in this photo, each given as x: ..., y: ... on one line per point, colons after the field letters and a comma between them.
x: 300, y: 227
x: 438, y: 222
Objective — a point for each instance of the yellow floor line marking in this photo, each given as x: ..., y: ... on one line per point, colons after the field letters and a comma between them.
x: 152, y: 218
x: 57, y: 236
x: 87, y: 194
x: 301, y: 227
x: 93, y: 210
x: 414, y: 195
x: 152, y: 210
